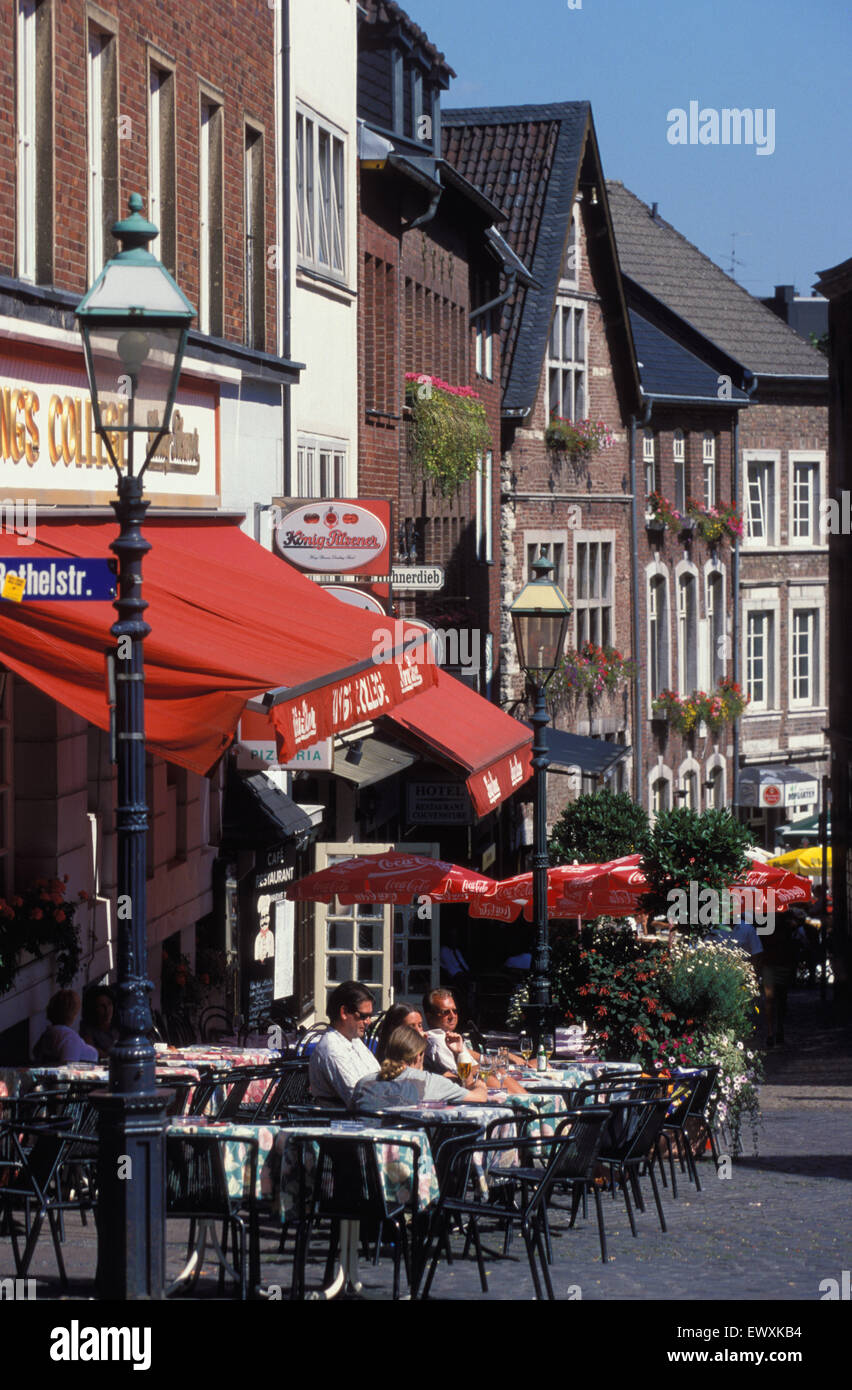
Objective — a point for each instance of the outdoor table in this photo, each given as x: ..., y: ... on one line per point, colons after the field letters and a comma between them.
x: 19, y: 1081
x: 286, y: 1163
x: 572, y: 1074
x: 207, y: 1058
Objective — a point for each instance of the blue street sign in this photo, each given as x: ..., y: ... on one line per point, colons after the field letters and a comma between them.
x: 57, y: 580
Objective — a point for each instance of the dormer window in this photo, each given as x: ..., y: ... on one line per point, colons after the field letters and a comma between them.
x: 571, y: 262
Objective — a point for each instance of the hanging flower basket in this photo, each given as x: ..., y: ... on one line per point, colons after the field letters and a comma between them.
x: 39, y: 919
x: 591, y: 672
x: 715, y: 708
x: 449, y: 431
x: 715, y: 523
x: 579, y: 439
x: 662, y: 515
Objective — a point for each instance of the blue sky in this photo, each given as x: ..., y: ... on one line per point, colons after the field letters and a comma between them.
x: 636, y: 60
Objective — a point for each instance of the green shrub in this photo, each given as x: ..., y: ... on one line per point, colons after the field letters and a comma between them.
x: 598, y: 827
x: 712, y: 984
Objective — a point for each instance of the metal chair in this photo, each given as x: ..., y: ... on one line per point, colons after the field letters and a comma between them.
x: 197, y: 1189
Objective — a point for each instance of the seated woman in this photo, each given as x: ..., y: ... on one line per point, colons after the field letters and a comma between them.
x: 97, y: 1027
x: 59, y: 1043
x: 396, y: 1015
x: 403, y: 1071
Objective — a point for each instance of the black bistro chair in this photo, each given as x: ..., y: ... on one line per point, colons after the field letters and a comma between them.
x: 197, y: 1190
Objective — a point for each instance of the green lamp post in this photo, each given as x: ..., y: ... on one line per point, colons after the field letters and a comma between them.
x: 540, y: 616
x: 134, y: 323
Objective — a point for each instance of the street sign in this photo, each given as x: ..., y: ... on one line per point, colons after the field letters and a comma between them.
x: 56, y: 580
x: 418, y: 577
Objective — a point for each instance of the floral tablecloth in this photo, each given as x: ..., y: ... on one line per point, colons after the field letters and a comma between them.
x: 283, y: 1154
x: 19, y: 1081
x: 574, y: 1074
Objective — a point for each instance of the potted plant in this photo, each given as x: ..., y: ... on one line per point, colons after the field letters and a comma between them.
x: 37, y: 920
x: 714, y: 523
x: 591, y: 671
x: 662, y: 515
x: 577, y: 438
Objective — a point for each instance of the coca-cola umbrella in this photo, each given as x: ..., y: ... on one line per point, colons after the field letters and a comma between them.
x: 567, y: 894
x: 390, y: 877
x: 619, y: 889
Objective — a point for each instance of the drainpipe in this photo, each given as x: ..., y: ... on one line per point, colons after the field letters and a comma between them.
x: 427, y: 215
x: 638, y: 778
x: 496, y: 303
x: 749, y: 386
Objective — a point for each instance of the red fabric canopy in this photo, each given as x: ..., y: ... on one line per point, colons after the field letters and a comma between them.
x: 458, y: 725
x: 390, y: 877
x: 228, y: 621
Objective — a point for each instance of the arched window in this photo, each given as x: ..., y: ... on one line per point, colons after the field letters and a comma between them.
x: 717, y: 654
x: 687, y: 634
x: 660, y: 795
x: 658, y: 634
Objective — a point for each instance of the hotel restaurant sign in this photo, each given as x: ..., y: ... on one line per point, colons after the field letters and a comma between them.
x: 49, y: 449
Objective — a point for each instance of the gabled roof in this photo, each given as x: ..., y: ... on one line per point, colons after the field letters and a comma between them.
x: 669, y: 371
x: 527, y: 160
x: 388, y: 13
x: 662, y: 261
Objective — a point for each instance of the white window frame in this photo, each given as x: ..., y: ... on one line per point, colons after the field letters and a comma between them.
x: 535, y: 541
x: 308, y: 480
x: 206, y: 116
x: 27, y: 202
x: 662, y: 774
x: 649, y: 459
x: 679, y: 460
x: 815, y: 460
x: 568, y: 371
x: 716, y: 764
x: 679, y: 446
x: 767, y: 462
x: 97, y: 41
x: 658, y: 647
x: 570, y: 274
x: 686, y: 589
x: 309, y: 200
x: 602, y: 603
x: 156, y: 78
x: 485, y: 346
x: 483, y: 486
x: 808, y: 598
x: 690, y: 768
x: 767, y: 604
x: 708, y: 468
x: 715, y: 625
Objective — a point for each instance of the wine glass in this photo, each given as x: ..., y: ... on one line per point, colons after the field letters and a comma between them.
x: 502, y: 1065
x: 485, y: 1064
x: 548, y: 1045
x: 525, y: 1046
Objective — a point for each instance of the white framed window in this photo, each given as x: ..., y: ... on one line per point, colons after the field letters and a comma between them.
x: 26, y: 140
x: 661, y: 791
x: 759, y: 662
x: 483, y: 483
x: 594, y: 587
x: 255, y: 261
x: 98, y: 47
x: 760, y: 499
x: 708, y: 464
x: 687, y: 632
x: 658, y: 634
x: 161, y: 162
x: 210, y: 249
x: 485, y: 346
x: 679, y: 446
x: 320, y: 196
x: 649, y: 459
x: 323, y: 469
x: 689, y: 789
x: 566, y: 362
x: 714, y: 784
x: 716, y: 628
x: 804, y: 655
x: 553, y: 545
x: 570, y: 277
x: 806, y: 489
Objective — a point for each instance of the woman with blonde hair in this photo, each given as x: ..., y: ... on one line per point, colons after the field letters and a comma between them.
x: 404, y: 1062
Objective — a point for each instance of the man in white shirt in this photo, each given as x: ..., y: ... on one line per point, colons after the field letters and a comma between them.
x: 340, y: 1059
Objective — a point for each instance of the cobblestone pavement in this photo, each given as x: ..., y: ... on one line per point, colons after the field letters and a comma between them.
x: 774, y: 1230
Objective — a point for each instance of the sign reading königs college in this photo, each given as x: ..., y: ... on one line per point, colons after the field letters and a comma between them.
x: 48, y: 442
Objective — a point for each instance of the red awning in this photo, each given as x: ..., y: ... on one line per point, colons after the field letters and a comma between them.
x: 228, y: 621
x: 462, y: 728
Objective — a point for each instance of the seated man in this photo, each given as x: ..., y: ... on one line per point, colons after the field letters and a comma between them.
x: 444, y: 1045
x: 341, y: 1059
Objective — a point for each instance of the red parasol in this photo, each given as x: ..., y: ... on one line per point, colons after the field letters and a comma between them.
x: 392, y: 877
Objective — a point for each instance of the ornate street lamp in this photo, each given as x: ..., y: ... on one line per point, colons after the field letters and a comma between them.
x: 540, y: 616
x: 134, y: 321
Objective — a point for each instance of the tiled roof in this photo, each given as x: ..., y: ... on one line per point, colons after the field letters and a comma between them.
x: 387, y: 12
x: 526, y: 159
x: 668, y: 369
x: 663, y: 262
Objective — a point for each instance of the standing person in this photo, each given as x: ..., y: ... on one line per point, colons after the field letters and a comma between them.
x: 779, y: 966
x: 60, y: 1043
x: 341, y: 1059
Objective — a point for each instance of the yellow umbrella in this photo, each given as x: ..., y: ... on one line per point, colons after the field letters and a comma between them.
x: 803, y: 861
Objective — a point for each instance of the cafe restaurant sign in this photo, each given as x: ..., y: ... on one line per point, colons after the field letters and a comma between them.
x: 48, y: 443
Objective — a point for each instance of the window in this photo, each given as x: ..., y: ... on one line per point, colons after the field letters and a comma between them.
x: 552, y: 550
x: 210, y: 252
x: 161, y: 162
x: 649, y: 458
x: 759, y: 658
x: 658, y: 635
x: 805, y: 498
x: 690, y: 790
x: 760, y: 502
x: 34, y: 142
x: 716, y: 655
x: 687, y: 634
x: 322, y: 469
x: 102, y: 146
x: 566, y: 366
x: 320, y: 197
x: 255, y: 328
x: 484, y: 509
x: 571, y: 264
x: 804, y: 640
x: 485, y: 346
x: 679, y: 447
x: 660, y: 795
x: 716, y: 788
x: 593, y: 592
x: 708, y: 459
x: 680, y: 483
x: 415, y: 946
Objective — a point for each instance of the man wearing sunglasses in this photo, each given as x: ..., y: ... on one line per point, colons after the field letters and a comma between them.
x: 445, y: 1045
x: 341, y: 1059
